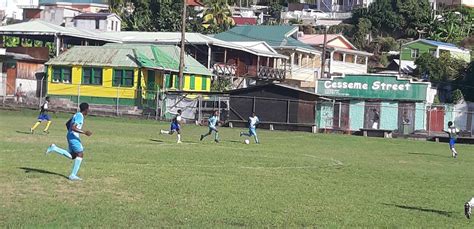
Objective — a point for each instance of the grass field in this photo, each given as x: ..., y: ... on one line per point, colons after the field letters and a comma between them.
x: 134, y: 177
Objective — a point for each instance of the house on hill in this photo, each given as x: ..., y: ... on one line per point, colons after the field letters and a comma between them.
x: 119, y: 74
x: 412, y: 50
x: 342, y: 57
x: 304, y: 60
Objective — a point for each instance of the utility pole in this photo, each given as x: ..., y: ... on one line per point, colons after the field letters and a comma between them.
x: 323, y: 56
x: 183, y: 40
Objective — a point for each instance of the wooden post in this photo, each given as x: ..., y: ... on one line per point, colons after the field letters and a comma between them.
x: 288, y: 112
x: 225, y: 56
x: 183, y: 39
x: 258, y: 65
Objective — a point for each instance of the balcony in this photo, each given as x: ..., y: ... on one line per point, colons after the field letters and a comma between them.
x: 232, y: 70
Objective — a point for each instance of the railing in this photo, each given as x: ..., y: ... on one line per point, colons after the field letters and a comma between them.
x: 224, y: 70
x: 263, y: 72
x: 271, y: 73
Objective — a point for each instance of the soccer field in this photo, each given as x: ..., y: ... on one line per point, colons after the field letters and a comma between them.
x: 134, y: 177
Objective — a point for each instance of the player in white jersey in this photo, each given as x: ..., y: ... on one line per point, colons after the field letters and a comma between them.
x: 453, y: 135
x: 468, y: 208
x: 175, y: 126
x: 253, y: 122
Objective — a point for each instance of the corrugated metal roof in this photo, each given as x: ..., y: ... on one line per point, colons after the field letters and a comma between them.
x: 438, y: 43
x: 166, y: 57
x: 275, y: 36
x: 96, y: 56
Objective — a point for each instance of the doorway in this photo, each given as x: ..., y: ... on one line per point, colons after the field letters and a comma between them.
x: 150, y: 93
x: 435, y: 116
x: 341, y: 115
x: 406, y: 118
x: 372, y: 115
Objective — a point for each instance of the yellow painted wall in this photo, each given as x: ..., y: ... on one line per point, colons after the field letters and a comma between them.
x: 105, y: 90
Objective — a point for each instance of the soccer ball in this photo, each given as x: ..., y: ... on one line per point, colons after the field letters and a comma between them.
x: 246, y: 141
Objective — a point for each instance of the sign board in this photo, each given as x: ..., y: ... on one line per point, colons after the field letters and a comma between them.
x: 372, y: 87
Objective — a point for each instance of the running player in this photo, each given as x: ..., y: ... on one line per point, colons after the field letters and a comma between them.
x: 212, y: 123
x: 468, y: 208
x: 43, y: 117
x: 453, y: 134
x: 76, y: 150
x: 253, y: 122
x: 175, y: 126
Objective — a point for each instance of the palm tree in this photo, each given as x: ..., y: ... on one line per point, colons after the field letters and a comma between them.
x: 218, y: 16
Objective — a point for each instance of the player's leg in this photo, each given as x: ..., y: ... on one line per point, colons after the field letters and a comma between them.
x: 53, y: 148
x: 48, y: 119
x: 253, y: 132
x: 451, y: 146
x: 207, y: 134
x: 178, y: 131
x: 76, y: 147
x: 32, y: 129
x: 165, y: 131
x: 245, y: 134
x: 216, y: 135
x: 468, y: 208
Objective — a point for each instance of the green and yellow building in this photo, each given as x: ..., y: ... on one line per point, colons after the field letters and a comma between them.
x: 133, y: 73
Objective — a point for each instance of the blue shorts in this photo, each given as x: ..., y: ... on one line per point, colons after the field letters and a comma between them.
x: 174, y: 127
x: 44, y: 117
x: 75, y: 146
x: 253, y: 132
x: 452, y: 141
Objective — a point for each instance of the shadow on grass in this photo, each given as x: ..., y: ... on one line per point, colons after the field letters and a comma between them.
x: 32, y: 170
x: 439, y: 212
x: 23, y: 132
x: 428, y: 154
x: 156, y: 140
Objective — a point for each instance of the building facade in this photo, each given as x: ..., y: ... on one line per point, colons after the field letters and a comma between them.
x: 400, y: 104
x: 107, y: 22
x: 130, y: 75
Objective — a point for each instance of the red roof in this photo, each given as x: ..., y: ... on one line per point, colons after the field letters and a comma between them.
x: 194, y: 3
x: 245, y: 20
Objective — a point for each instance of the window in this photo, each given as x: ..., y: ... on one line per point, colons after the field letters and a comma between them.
x: 192, y: 82
x: 338, y: 56
x: 433, y: 52
x: 415, y: 53
x: 92, y: 76
x: 361, y: 60
x: 350, y: 58
x: 61, y: 74
x: 204, y: 83
x: 97, y: 24
x: 122, y: 78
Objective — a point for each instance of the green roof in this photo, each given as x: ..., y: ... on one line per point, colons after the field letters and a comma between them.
x: 275, y: 35
x: 163, y: 57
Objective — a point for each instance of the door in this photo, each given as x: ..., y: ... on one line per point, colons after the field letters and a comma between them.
x: 372, y: 115
x: 341, y: 116
x: 150, y: 93
x: 406, y: 118
x: 11, y: 77
x: 435, y: 116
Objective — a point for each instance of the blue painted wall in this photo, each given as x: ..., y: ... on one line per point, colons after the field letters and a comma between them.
x: 389, y: 115
x: 325, y: 115
x: 420, y: 116
x: 357, y: 114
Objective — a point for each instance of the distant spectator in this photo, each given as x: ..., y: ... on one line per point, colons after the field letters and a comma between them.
x: 376, y: 119
x: 19, y: 94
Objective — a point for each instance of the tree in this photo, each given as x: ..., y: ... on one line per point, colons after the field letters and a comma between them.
x: 362, y: 29
x: 451, y: 27
x: 217, y: 16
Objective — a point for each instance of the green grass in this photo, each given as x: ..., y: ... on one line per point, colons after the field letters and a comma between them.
x: 134, y: 177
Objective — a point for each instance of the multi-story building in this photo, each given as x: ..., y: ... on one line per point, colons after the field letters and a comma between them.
x: 98, y: 21
x: 13, y: 9
x: 91, y: 6
x: 437, y: 4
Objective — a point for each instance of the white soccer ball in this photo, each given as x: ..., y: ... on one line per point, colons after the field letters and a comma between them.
x: 179, y: 119
x: 246, y: 141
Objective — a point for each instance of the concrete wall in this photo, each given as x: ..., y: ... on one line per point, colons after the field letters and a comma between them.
x: 325, y: 115
x: 29, y: 86
x: 357, y: 109
x: 3, y: 81
x: 420, y: 116
x: 389, y: 115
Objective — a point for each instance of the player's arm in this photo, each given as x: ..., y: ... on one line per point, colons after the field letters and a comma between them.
x: 80, y: 131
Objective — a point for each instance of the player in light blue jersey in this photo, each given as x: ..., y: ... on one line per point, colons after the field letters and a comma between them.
x: 76, y: 150
x: 212, y: 123
x: 253, y: 122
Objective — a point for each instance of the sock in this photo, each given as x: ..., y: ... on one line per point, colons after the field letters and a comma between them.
x: 61, y: 152
x: 454, y: 152
x: 36, y: 125
x: 205, y: 135
x: 179, y: 137
x: 245, y: 134
x: 76, y: 166
x: 47, y: 126
x: 216, y: 136
x: 471, y: 203
x: 165, y: 132
x: 256, y: 138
